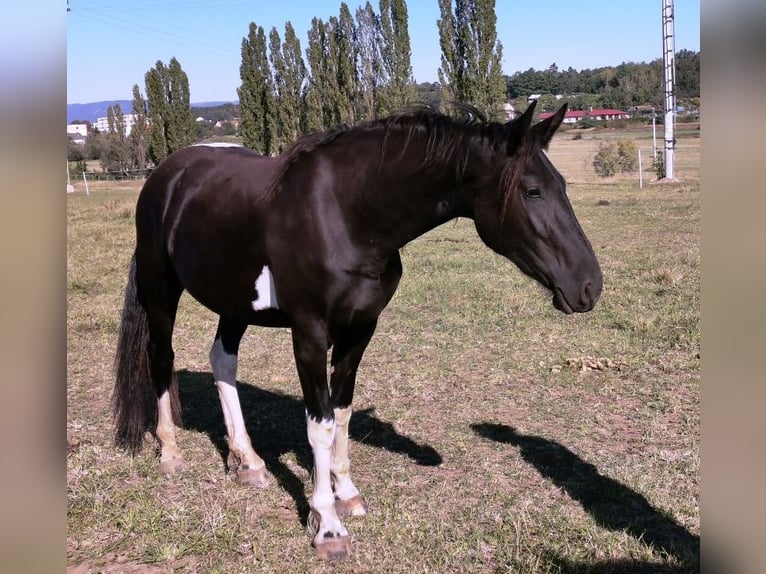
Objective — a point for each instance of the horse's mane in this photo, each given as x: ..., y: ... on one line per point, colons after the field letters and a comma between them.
x: 448, y: 138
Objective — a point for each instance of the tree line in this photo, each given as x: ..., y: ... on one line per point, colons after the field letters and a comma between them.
x: 622, y: 87
x: 356, y: 67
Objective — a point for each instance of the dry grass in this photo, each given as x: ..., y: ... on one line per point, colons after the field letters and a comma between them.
x: 486, y: 437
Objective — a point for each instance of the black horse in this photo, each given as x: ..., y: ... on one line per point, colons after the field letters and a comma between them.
x: 310, y: 241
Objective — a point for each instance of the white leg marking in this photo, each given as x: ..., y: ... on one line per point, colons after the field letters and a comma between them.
x: 344, y: 487
x: 266, y: 295
x: 170, y: 454
x: 321, y: 436
x: 224, y: 367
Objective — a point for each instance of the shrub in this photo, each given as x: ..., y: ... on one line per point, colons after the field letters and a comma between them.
x: 611, y: 158
x: 627, y: 156
x: 605, y: 160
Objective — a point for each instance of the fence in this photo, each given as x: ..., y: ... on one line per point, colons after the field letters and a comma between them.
x: 117, y: 176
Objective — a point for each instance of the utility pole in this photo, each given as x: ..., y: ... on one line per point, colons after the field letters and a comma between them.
x: 668, y: 59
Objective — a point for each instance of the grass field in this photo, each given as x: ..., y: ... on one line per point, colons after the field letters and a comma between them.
x: 491, y: 433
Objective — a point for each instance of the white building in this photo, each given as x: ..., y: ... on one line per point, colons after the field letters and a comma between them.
x: 102, y: 124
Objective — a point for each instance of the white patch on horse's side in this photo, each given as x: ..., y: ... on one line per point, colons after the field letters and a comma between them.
x: 217, y: 144
x: 266, y: 294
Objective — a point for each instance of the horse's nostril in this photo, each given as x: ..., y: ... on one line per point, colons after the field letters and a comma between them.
x: 591, y: 291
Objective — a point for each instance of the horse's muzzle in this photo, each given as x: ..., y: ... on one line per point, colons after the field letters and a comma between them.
x: 579, y: 300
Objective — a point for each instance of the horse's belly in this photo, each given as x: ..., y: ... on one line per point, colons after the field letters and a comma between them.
x: 234, y: 287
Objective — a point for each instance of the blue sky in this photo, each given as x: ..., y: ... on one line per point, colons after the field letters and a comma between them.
x: 111, y: 44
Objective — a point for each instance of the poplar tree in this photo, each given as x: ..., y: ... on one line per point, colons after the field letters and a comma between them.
x: 319, y: 94
x: 256, y: 94
x: 471, y: 70
x: 369, y: 64
x: 400, y: 87
x: 182, y: 131
x: 333, y: 91
x: 156, y: 79
x: 172, y: 123
x: 344, y: 52
x: 139, y: 135
x: 333, y: 95
x: 281, y: 117
x: 116, y: 155
x: 289, y: 78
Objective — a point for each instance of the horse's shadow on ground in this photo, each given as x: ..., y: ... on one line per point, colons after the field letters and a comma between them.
x: 277, y: 425
x: 611, y: 504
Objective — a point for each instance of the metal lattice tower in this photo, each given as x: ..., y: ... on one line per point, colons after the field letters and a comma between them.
x: 669, y: 63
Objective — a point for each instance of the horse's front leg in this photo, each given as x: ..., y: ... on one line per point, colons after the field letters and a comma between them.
x: 346, y: 356
x: 250, y: 468
x: 348, y: 500
x: 330, y: 537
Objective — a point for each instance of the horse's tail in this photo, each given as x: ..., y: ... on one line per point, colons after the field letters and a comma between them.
x: 134, y: 401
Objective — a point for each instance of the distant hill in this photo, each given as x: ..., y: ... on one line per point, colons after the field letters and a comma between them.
x: 92, y: 111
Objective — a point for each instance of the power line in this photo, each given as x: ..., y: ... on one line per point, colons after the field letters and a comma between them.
x: 136, y: 23
x: 161, y: 35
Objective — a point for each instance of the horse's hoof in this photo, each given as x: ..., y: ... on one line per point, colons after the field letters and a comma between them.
x: 257, y: 477
x: 334, y: 549
x: 172, y: 466
x: 355, y: 506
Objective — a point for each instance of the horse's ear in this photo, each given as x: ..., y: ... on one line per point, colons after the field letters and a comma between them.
x: 519, y: 128
x: 544, y: 130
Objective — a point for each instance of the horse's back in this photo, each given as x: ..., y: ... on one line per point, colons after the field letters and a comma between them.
x: 195, y: 169
x: 199, y: 181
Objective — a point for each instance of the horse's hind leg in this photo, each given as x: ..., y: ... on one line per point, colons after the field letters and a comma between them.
x: 250, y: 468
x: 160, y: 291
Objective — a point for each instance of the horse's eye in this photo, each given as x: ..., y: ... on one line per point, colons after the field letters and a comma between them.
x: 533, y: 193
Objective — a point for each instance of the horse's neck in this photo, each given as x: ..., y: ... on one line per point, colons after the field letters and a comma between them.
x: 409, y: 201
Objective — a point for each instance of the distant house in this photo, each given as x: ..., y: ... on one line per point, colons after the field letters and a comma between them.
x: 510, y: 112
x: 77, y: 133
x: 77, y: 129
x: 598, y: 114
x: 534, y: 97
x: 233, y: 121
